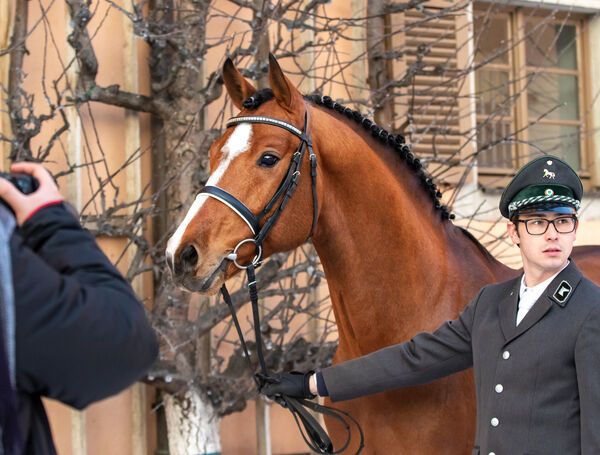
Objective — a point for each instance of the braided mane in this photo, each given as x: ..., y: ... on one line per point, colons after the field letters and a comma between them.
x: 396, y: 142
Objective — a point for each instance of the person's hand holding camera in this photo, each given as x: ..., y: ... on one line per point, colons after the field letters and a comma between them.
x: 25, y: 205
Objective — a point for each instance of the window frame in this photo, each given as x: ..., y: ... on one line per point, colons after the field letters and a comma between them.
x: 516, y: 18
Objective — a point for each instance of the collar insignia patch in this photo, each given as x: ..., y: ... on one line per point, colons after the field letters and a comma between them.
x: 562, y: 292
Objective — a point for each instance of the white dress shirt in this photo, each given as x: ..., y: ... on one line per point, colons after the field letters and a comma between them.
x: 528, y: 296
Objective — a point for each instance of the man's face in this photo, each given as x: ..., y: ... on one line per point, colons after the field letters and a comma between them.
x: 543, y: 255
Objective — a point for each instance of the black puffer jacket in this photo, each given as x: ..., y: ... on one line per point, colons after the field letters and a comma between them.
x: 81, y: 334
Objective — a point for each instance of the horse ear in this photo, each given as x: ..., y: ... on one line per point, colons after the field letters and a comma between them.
x: 238, y: 87
x: 284, y: 91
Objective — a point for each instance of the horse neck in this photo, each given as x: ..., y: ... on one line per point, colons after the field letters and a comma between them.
x: 393, y: 266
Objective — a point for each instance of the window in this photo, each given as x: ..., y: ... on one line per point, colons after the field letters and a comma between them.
x: 528, y: 87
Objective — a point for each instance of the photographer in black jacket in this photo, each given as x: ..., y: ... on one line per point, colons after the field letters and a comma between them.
x: 72, y: 328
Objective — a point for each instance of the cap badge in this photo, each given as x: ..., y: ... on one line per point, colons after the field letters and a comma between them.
x: 548, y: 192
x: 548, y: 174
x: 562, y: 292
x: 549, y: 162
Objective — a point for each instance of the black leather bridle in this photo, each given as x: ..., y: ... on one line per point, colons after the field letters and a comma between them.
x: 314, y: 434
x: 282, y: 194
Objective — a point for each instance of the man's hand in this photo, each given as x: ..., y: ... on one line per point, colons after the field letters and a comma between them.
x: 294, y: 384
x: 26, y: 205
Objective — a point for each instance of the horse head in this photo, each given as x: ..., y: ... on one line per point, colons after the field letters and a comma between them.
x: 261, y: 155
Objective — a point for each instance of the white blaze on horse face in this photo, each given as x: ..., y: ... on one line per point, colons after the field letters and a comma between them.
x: 238, y: 143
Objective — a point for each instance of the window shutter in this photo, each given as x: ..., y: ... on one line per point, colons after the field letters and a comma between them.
x: 432, y: 104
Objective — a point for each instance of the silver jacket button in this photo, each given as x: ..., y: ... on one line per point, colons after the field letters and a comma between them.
x: 505, y: 355
x: 495, y: 422
x: 499, y: 388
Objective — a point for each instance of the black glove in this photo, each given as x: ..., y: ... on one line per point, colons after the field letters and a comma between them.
x: 293, y: 384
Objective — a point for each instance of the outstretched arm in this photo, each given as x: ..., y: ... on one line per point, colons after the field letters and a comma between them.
x: 428, y: 356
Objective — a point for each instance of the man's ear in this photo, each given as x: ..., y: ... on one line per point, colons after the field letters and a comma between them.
x: 513, y: 232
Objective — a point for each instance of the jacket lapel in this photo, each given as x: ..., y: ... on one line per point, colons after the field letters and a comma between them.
x: 558, y: 292
x: 508, y: 308
x: 537, y: 311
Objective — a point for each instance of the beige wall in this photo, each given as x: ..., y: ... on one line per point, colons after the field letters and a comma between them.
x: 108, y: 425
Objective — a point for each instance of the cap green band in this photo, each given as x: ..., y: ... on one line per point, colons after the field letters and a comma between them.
x: 535, y: 194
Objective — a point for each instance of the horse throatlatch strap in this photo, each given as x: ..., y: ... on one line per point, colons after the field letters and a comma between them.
x: 312, y: 432
x: 313, y: 176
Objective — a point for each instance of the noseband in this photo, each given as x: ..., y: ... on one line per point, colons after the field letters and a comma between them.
x: 283, y: 193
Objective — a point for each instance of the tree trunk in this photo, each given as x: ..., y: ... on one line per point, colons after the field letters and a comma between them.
x: 192, y: 425
x: 379, y: 69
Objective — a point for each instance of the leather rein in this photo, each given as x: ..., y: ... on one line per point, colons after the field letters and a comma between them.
x: 314, y: 434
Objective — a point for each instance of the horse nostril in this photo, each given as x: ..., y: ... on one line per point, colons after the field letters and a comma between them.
x: 188, y: 257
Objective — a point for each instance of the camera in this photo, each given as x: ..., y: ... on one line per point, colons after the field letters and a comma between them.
x: 25, y: 183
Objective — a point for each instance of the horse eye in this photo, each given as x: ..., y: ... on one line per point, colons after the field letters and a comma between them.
x: 268, y: 160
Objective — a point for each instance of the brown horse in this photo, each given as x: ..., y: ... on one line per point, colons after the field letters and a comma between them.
x: 395, y: 264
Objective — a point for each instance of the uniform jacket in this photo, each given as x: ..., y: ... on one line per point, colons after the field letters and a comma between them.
x: 80, y: 332
x: 537, y: 384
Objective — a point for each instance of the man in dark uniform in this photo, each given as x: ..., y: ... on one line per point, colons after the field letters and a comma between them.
x: 533, y: 342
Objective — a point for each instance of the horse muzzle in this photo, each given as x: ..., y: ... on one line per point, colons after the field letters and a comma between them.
x: 185, y: 271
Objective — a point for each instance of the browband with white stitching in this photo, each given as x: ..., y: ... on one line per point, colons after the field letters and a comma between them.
x: 267, y: 120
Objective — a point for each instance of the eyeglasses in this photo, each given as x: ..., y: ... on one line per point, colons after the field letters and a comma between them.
x: 539, y: 226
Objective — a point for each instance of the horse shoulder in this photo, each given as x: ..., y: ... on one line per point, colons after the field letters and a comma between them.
x: 587, y: 258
